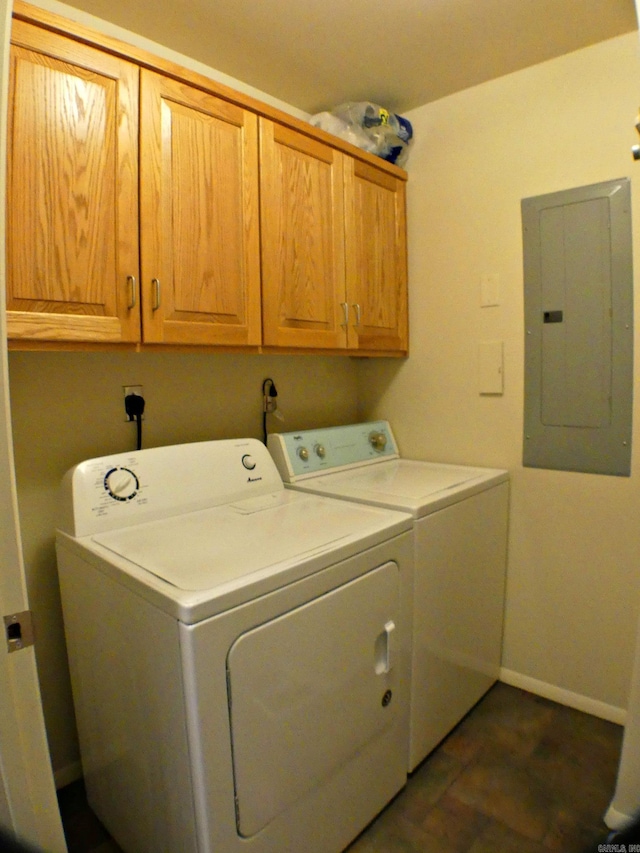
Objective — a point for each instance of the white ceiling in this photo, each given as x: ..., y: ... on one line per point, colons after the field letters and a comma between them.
x: 315, y: 54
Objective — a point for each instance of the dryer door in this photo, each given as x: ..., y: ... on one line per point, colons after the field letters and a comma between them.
x: 308, y: 690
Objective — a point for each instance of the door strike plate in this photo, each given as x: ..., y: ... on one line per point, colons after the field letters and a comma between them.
x: 18, y: 629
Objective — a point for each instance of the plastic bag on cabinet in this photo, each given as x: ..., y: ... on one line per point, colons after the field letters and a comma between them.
x: 370, y: 127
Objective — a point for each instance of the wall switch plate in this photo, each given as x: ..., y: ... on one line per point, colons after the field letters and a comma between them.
x: 489, y: 290
x: 491, y: 367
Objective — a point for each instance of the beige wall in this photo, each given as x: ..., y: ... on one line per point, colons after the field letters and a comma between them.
x: 574, y: 563
x: 67, y: 407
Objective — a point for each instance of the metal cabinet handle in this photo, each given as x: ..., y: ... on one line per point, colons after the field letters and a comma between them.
x: 345, y: 308
x: 156, y: 293
x: 356, y: 306
x: 133, y: 291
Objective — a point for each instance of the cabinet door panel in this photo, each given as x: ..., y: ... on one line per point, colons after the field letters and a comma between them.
x: 376, y: 258
x: 302, y: 222
x: 72, y: 246
x: 199, y: 217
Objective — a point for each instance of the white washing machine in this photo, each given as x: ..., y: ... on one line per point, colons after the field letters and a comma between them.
x: 239, y: 652
x: 460, y: 519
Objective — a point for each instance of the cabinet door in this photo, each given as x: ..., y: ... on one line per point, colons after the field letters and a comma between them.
x: 72, y: 195
x: 302, y: 221
x: 199, y: 217
x: 376, y: 259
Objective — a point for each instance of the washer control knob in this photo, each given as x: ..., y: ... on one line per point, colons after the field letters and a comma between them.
x: 303, y: 453
x: 320, y: 451
x: 249, y: 462
x: 378, y: 440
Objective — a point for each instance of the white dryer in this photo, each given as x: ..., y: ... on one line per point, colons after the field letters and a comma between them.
x: 239, y: 652
x: 460, y: 519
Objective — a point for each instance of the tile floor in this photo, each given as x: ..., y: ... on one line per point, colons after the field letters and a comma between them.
x: 519, y: 774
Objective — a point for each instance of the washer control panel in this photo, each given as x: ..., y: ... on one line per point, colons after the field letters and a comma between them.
x: 310, y: 452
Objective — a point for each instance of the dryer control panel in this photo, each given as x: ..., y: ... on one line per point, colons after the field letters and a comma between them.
x: 307, y: 453
x: 130, y: 488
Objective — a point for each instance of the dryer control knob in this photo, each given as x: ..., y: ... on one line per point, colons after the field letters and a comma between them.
x: 303, y: 453
x: 121, y: 484
x: 320, y: 451
x: 378, y: 440
x: 249, y: 462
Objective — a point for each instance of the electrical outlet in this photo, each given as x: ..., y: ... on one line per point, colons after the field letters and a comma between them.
x: 131, y: 389
x: 269, y: 397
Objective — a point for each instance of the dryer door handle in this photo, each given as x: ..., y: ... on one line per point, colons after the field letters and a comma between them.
x: 384, y: 656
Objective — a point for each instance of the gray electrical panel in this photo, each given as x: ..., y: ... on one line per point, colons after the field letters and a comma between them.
x: 578, y: 302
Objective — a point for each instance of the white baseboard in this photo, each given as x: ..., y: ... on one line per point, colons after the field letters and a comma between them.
x: 66, y: 775
x: 564, y: 697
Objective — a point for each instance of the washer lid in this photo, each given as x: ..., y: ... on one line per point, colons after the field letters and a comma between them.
x: 409, y: 485
x: 222, y: 547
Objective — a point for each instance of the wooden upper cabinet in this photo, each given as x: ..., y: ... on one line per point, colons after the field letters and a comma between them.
x: 199, y: 217
x: 302, y: 222
x: 376, y: 259
x: 146, y: 203
x: 334, y: 271
x: 72, y: 194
